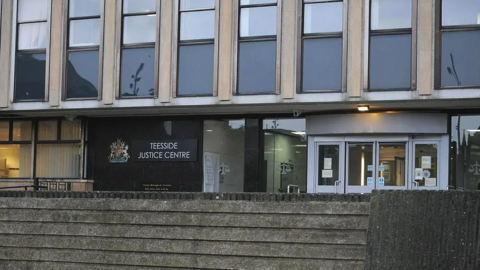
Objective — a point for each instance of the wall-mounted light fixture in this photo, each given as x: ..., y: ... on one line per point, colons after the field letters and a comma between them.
x: 363, y: 108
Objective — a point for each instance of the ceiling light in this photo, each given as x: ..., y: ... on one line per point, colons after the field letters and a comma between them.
x: 209, y: 130
x: 299, y: 132
x: 363, y: 108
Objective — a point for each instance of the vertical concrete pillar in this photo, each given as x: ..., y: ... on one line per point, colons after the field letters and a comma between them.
x: 425, y: 44
x: 6, y: 40
x: 110, y: 49
x: 253, y: 165
x: 225, y: 50
x: 57, y: 52
x: 166, y: 38
x: 288, y: 40
x: 355, y: 45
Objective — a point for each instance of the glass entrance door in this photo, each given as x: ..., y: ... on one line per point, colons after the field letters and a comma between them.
x: 391, y: 169
x: 360, y: 167
x: 330, y: 167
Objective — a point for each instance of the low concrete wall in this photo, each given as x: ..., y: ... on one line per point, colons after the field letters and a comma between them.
x: 95, y: 230
x: 424, y: 230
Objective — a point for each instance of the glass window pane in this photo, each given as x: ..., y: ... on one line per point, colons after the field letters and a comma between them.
x: 392, y: 158
x: 256, y: 69
x: 390, y: 61
x: 360, y: 157
x: 82, y: 74
x: 331, y: 152
x: 197, y: 25
x: 71, y: 130
x: 195, y: 69
x: 81, y: 8
x: 47, y: 130
x: 426, y: 157
x: 30, y: 77
x: 15, y: 161
x: 22, y: 131
x: 256, y: 2
x: 460, y: 58
x: 391, y: 14
x: 260, y: 21
x: 58, y: 160
x: 32, y: 36
x: 322, y: 64
x: 4, y: 131
x: 84, y: 32
x: 32, y: 10
x: 137, y: 72
x: 138, y: 29
x: 139, y: 6
x: 323, y: 18
x: 194, y: 4
x: 460, y: 12
x: 223, y: 152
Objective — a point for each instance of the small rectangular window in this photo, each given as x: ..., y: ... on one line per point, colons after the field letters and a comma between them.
x: 15, y: 149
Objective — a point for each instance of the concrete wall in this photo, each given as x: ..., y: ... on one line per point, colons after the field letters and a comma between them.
x: 181, y: 231
x: 424, y: 230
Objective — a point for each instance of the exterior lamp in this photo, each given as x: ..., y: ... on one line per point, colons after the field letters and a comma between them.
x: 363, y: 108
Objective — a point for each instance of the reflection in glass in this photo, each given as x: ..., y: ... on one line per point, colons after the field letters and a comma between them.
x: 32, y: 10
x: 460, y: 12
x: 137, y: 72
x: 426, y: 156
x: 390, y: 61
x: 30, y: 77
x: 360, y: 158
x: 391, y: 14
x: 323, y: 17
x: 32, y: 36
x: 22, y: 131
x: 84, y: 32
x: 331, y: 153
x: 223, y: 155
x: 460, y: 58
x: 196, y: 4
x: 391, y: 165
x: 82, y: 74
x: 256, y: 2
x: 71, y: 130
x: 322, y: 64
x: 58, y: 160
x: 258, y: 21
x: 47, y: 130
x: 4, y: 130
x: 15, y: 160
x: 256, y: 67
x: 138, y: 29
x: 285, y: 154
x: 139, y: 6
x: 195, y: 69
x: 197, y: 25
x: 83, y: 8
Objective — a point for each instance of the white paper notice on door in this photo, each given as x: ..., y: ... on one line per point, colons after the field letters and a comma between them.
x: 430, y: 182
x: 327, y: 163
x: 418, y: 173
x: 327, y: 173
x: 426, y: 162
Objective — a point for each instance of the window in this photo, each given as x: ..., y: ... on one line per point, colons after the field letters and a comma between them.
x: 196, y: 47
x: 15, y: 149
x: 59, y: 149
x: 83, y: 48
x: 30, y: 62
x: 390, y: 57
x: 138, y: 50
x: 460, y: 39
x: 323, y: 45
x: 257, y: 55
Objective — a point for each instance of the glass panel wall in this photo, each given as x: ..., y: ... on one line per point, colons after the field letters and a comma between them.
x: 15, y: 149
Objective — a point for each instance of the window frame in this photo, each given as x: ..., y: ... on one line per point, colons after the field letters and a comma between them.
x: 120, y: 47
x: 68, y: 49
x: 237, y: 40
x: 368, y: 33
x: 439, y: 30
x: 302, y: 36
x: 178, y: 42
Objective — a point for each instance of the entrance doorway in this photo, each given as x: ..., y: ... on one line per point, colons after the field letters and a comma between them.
x: 359, y: 164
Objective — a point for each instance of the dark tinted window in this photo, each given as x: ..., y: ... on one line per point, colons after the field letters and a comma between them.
x: 30, y: 77
x: 461, y: 58
x: 137, y: 72
x: 195, y: 69
x: 256, y: 69
x: 390, y: 61
x: 82, y: 74
x: 322, y: 64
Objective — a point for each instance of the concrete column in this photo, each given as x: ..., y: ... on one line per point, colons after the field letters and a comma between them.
x: 109, y: 83
x: 166, y: 38
x: 355, y: 45
x: 6, y: 40
x: 425, y: 41
x: 225, y: 51
x: 288, y: 39
x: 57, y: 52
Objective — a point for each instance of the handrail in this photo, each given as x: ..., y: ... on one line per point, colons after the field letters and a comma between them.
x: 36, y: 187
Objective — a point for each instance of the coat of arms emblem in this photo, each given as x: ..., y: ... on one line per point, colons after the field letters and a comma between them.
x: 118, y: 152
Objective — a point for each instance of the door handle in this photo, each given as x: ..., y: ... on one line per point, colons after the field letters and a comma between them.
x: 337, y: 183
x: 293, y: 186
x: 415, y: 184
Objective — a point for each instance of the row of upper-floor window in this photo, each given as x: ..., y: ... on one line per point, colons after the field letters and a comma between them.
x: 390, y: 46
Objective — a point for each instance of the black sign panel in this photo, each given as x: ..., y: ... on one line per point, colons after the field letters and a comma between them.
x: 164, y: 150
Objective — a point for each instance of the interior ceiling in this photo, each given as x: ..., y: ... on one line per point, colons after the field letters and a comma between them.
x: 277, y: 108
